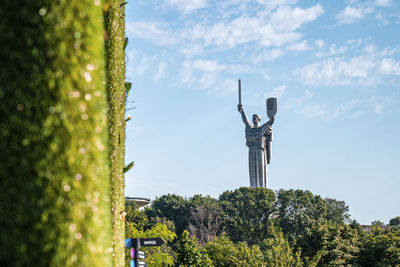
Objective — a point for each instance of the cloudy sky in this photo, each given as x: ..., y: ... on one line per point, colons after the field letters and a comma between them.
x: 333, y: 65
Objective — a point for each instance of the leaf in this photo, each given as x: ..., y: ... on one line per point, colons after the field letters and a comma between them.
x: 128, y: 86
x: 129, y: 166
x: 126, y: 42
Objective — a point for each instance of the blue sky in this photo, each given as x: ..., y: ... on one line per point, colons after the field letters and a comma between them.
x: 333, y: 65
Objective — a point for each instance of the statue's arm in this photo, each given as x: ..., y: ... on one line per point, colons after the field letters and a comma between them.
x: 267, y: 127
x: 244, y: 117
x: 271, y: 121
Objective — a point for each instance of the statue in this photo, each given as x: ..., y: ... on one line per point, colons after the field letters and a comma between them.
x: 258, y: 139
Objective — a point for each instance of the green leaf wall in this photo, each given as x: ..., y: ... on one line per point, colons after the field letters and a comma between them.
x: 54, y: 166
x: 115, y: 72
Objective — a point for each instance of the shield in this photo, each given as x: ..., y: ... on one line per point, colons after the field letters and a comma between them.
x: 272, y: 107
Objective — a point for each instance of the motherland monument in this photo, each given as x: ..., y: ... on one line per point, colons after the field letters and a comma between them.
x: 258, y: 140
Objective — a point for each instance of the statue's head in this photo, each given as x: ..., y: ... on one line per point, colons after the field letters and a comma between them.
x: 256, y: 119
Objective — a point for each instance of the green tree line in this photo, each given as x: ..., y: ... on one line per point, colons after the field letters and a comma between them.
x: 260, y: 227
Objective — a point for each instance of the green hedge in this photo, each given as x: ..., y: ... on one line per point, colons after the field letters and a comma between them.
x: 115, y: 72
x: 54, y: 187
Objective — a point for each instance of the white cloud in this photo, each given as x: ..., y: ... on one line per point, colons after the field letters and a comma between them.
x: 382, y: 19
x: 313, y: 110
x: 208, y: 65
x: 305, y: 107
x: 142, y: 66
x: 296, y: 103
x: 345, y: 108
x: 351, y: 109
x: 242, y: 30
x: 337, y: 71
x: 356, y: 42
x: 214, y: 66
x: 186, y: 74
x: 319, y: 43
x: 277, y: 92
x: 272, y: 4
x: 357, y: 114
x: 276, y: 28
x: 152, y: 31
x: 187, y: 6
x: 378, y: 108
x: 353, y: 14
x: 385, y: 3
x: 389, y: 66
x: 204, y: 73
x: 302, y: 46
x: 377, y: 104
x: 227, y: 86
x: 333, y: 50
x: 160, y: 73
x: 267, y: 55
x: 192, y: 49
x: 287, y: 19
x: 206, y: 80
x: 367, y: 65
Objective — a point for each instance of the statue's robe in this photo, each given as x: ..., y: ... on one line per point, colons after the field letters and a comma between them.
x: 259, y: 142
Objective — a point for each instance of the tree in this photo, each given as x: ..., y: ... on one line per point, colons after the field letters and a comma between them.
x: 395, y: 221
x: 115, y: 72
x: 337, y: 211
x: 331, y: 244
x: 156, y: 256
x: 200, y: 200
x: 54, y: 185
x: 378, y: 223
x: 204, y: 223
x: 278, y: 252
x: 246, y: 213
x: 204, y: 220
x: 381, y: 248
x: 172, y: 207
x: 189, y: 253
x: 224, y: 253
x: 135, y: 217
x: 300, y: 210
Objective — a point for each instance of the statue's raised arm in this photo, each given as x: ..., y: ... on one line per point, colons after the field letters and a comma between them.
x: 244, y: 117
x: 270, y: 122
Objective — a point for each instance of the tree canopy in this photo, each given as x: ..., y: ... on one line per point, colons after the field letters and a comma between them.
x: 260, y: 227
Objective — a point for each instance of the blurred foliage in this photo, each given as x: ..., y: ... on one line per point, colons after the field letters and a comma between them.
x: 54, y: 185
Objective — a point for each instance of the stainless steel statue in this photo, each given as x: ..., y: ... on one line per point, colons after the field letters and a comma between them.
x: 258, y: 139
